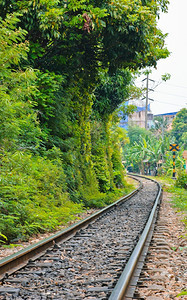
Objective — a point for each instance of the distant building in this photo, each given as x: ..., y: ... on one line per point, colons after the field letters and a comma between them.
x: 168, y: 117
x: 138, y: 117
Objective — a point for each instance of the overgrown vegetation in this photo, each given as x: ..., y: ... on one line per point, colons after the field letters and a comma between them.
x: 181, y: 181
x: 65, y: 68
x: 179, y: 195
x: 179, y: 128
x: 33, y: 195
x: 148, y: 150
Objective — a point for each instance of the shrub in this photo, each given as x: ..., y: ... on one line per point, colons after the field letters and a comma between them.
x: 33, y: 195
x: 181, y: 181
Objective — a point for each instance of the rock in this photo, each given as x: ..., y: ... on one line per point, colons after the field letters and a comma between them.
x: 154, y: 298
x: 156, y: 287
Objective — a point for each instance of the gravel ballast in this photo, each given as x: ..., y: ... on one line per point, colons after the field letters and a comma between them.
x: 165, y: 272
x: 88, y: 265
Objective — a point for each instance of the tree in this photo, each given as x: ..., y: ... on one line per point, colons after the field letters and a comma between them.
x: 19, y: 128
x: 136, y: 133
x: 144, y: 148
x: 81, y: 40
x: 161, y: 126
x: 77, y: 37
x: 33, y: 189
x: 179, y: 127
x: 112, y: 91
x: 65, y: 69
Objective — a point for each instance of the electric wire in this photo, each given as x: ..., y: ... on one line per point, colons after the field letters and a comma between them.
x: 180, y: 105
x: 170, y: 94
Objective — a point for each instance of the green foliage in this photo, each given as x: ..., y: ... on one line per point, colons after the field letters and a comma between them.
x: 101, y: 167
x: 100, y: 200
x: 161, y: 126
x: 100, y: 156
x: 179, y: 196
x: 4, y: 237
x: 144, y: 148
x: 150, y: 149
x: 166, y: 77
x: 118, y: 140
x: 168, y: 162
x: 179, y: 128
x: 139, y: 43
x: 13, y: 49
x: 33, y: 195
x: 136, y: 133
x: 183, y: 293
x: 181, y: 181
x: 107, y: 141
x: 44, y: 97
x: 111, y: 92
x: 65, y: 69
x: 179, y: 200
x: 18, y: 121
x: 76, y: 37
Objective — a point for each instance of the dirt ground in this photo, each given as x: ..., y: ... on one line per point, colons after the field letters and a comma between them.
x: 166, y: 265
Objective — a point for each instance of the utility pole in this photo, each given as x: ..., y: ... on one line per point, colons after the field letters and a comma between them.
x: 147, y: 97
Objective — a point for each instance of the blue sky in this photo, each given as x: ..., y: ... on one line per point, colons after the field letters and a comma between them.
x: 172, y: 95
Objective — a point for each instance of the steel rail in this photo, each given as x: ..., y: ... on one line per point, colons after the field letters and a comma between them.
x: 18, y: 260
x: 121, y: 287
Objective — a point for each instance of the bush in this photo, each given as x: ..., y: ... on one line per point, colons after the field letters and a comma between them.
x: 33, y: 195
x: 181, y: 181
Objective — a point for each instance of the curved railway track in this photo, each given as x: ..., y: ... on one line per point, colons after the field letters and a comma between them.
x: 98, y: 258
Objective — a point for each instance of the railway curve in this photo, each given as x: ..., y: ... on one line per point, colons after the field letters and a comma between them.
x: 88, y: 260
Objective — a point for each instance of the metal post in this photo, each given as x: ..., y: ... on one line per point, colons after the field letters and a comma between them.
x: 174, y: 171
x: 147, y: 98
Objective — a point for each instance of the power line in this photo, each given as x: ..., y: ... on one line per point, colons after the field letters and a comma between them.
x: 168, y: 103
x: 171, y: 94
x: 175, y: 85
x: 180, y: 86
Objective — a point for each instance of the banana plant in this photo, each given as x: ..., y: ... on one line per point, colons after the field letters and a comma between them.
x: 147, y: 149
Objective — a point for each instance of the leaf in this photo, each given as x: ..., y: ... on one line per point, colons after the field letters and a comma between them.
x: 3, y: 236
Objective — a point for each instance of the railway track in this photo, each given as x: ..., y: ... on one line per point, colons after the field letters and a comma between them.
x: 98, y: 258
